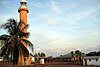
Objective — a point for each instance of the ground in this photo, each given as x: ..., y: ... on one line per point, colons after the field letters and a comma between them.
x: 4, y: 64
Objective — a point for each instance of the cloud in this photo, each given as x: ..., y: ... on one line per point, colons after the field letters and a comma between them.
x: 38, y: 50
x: 52, y: 51
x: 55, y: 7
x: 52, y: 19
x: 4, y: 2
x: 91, y: 49
x: 87, y: 13
x: 2, y: 19
x: 52, y: 40
x: 37, y: 5
x: 49, y: 19
x: 61, y: 51
x: 65, y: 19
x: 53, y: 32
x: 57, y: 50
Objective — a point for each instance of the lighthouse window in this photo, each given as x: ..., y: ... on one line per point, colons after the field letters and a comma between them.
x: 23, y: 4
x: 96, y: 59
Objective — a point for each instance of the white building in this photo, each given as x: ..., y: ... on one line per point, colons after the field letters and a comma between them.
x: 32, y: 58
x: 42, y: 61
x: 91, y: 60
x: 1, y: 59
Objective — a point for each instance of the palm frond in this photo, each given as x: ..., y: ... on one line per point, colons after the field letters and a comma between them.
x: 29, y: 44
x: 25, y: 27
x: 23, y: 49
x: 4, y: 37
x: 23, y: 34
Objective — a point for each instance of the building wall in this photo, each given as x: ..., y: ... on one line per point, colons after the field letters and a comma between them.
x: 84, y: 62
x: 91, y: 62
x: 32, y: 59
x: 1, y: 59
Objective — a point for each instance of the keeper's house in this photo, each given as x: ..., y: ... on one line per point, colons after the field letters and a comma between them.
x: 91, y: 60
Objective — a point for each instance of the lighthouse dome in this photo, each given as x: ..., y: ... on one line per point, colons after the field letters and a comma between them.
x: 23, y: 8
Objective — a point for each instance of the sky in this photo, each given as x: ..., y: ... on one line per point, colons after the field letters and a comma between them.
x: 58, y: 26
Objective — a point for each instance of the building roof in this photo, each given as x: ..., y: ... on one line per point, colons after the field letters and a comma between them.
x: 31, y: 55
x: 91, y: 57
x: 67, y: 55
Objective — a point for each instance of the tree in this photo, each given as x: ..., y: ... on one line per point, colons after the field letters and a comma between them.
x: 39, y: 54
x: 43, y: 54
x: 14, y: 42
x: 72, y: 53
x: 35, y: 55
x: 78, y: 55
x: 98, y: 53
x: 93, y: 53
x: 78, y: 52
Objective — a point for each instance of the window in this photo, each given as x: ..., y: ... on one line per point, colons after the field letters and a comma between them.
x: 96, y: 59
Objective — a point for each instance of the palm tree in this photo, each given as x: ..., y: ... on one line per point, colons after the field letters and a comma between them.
x: 72, y: 55
x: 78, y: 55
x: 13, y: 45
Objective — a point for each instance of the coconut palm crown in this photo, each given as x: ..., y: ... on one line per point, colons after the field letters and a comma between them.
x: 13, y: 43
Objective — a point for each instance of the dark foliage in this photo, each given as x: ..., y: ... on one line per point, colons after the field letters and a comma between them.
x: 93, y: 54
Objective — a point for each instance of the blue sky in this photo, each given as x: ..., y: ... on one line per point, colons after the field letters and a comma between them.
x: 58, y: 26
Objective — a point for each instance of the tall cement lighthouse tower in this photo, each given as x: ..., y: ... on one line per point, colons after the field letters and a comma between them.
x: 23, y: 10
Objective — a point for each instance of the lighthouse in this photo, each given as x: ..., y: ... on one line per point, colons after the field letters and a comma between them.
x: 23, y: 10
